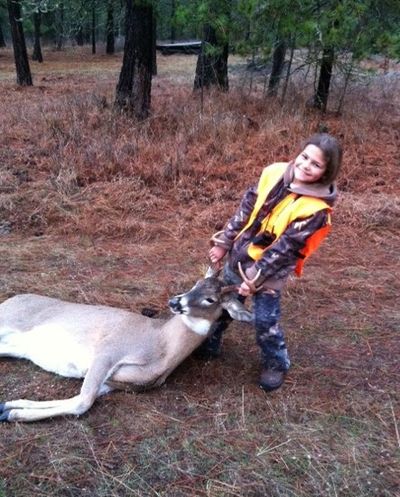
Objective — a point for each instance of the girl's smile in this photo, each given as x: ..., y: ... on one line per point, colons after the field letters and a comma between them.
x: 309, y: 166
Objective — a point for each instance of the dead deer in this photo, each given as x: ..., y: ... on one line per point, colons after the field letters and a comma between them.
x: 108, y: 347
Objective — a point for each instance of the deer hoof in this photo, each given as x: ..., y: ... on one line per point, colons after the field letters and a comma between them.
x: 4, y: 415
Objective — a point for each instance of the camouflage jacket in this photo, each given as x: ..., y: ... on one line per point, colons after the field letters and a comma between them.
x: 280, y: 259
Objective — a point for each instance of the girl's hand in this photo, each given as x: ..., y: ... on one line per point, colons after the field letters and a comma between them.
x: 216, y: 253
x: 245, y: 290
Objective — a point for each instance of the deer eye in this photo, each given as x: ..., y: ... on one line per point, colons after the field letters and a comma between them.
x: 209, y: 301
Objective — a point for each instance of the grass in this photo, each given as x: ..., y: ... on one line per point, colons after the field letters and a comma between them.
x: 97, y: 209
x: 303, y: 452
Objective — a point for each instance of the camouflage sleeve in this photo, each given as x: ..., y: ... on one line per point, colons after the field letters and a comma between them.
x: 279, y: 260
x: 239, y: 220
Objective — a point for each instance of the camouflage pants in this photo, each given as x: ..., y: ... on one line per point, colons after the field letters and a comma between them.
x: 269, y: 334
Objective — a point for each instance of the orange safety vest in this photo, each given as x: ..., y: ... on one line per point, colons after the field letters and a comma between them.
x: 292, y: 207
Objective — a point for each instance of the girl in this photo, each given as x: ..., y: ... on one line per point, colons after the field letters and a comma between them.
x: 278, y: 225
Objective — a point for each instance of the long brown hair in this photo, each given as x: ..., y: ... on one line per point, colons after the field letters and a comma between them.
x: 332, y: 151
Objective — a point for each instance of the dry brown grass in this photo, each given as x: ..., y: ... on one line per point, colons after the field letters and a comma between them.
x: 102, y: 210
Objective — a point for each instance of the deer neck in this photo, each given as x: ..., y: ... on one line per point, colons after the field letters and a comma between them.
x: 199, y: 326
x: 182, y: 334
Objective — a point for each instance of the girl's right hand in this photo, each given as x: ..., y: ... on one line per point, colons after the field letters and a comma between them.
x: 216, y: 253
x: 245, y: 290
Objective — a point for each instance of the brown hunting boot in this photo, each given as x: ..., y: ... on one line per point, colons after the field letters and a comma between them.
x: 271, y: 379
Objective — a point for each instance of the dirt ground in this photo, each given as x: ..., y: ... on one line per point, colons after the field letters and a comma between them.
x: 95, y: 208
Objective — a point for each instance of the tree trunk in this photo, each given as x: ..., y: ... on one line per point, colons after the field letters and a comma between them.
x: 2, y: 40
x: 133, y: 93
x: 172, y: 21
x: 60, y: 26
x: 322, y: 93
x: 212, y: 62
x: 93, y: 30
x: 278, y: 62
x: 288, y: 69
x: 24, y: 77
x: 347, y: 74
x: 110, y: 38
x: 154, y: 47
x: 37, y: 49
x: 79, y: 36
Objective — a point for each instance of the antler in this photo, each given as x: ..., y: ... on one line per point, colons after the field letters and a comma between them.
x: 215, y: 238
x: 250, y: 283
x: 229, y: 289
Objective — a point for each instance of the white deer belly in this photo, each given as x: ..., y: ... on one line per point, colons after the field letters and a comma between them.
x: 51, y: 348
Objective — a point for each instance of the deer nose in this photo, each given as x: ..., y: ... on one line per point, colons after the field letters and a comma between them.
x: 175, y: 304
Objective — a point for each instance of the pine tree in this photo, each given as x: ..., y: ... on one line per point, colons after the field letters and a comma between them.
x: 24, y: 77
x: 133, y: 93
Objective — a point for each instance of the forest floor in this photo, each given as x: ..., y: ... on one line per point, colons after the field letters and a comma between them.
x: 96, y: 208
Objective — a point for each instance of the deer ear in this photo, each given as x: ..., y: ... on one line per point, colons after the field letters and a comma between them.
x: 212, y: 271
x: 237, y: 310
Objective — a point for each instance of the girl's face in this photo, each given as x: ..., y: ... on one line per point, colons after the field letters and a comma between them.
x: 309, y: 166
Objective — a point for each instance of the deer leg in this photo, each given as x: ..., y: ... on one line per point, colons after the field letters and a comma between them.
x: 92, y: 387
x: 5, y: 330
x: 7, y: 350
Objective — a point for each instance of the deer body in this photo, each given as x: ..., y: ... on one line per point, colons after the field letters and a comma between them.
x: 110, y: 348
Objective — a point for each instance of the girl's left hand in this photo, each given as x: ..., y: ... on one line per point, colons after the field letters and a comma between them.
x: 216, y: 253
